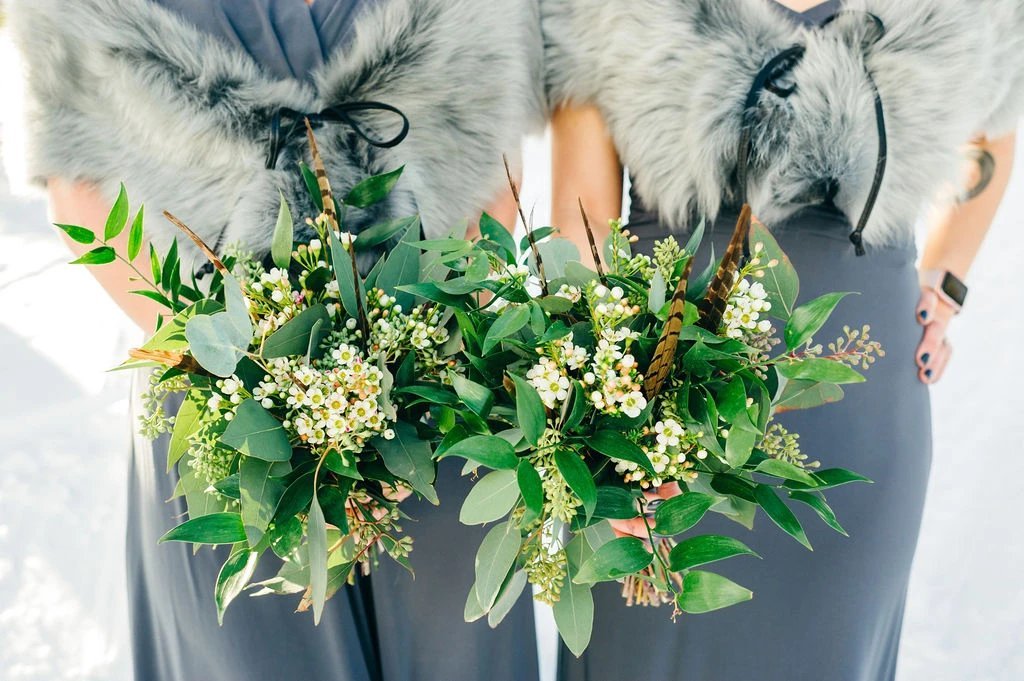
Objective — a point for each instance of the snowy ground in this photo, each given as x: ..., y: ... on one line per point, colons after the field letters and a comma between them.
x: 64, y: 442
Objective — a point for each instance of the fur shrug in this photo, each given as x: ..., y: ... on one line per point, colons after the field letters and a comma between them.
x: 671, y: 78
x: 124, y: 90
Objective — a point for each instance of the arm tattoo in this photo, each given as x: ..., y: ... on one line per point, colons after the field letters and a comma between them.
x: 986, y: 171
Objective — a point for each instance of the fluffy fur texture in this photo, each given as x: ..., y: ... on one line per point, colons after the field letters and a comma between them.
x: 671, y: 78
x: 123, y: 90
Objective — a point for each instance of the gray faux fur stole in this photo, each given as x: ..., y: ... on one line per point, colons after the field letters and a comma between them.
x: 671, y: 77
x: 123, y: 90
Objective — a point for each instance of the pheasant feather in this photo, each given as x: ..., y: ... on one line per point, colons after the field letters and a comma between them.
x: 712, y: 308
x: 665, y: 353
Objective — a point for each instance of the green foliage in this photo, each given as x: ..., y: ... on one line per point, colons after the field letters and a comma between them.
x: 214, y: 528
x: 255, y: 432
x: 284, y: 235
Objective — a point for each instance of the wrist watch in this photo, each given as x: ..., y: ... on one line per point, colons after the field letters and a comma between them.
x: 949, y: 287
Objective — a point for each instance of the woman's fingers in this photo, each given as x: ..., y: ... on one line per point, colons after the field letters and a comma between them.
x: 629, y: 528
x: 927, y: 306
x: 937, y: 365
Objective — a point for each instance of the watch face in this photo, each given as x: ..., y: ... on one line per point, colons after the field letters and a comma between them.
x: 954, y: 288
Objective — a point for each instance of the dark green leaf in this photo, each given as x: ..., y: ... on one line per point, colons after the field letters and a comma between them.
x: 255, y: 432
x: 616, y: 503
x: 831, y: 477
x: 378, y: 234
x: 350, y: 287
x: 214, y: 528
x: 705, y: 549
x: 706, y: 591
x: 574, y: 616
x: 473, y: 395
x: 401, y: 267
x: 577, y: 476
x: 786, y: 471
x: 615, y: 445
x: 530, y: 487
x: 780, y: 514
x: 409, y: 458
x: 492, y: 230
x: 312, y: 186
x: 739, y: 445
x: 808, y: 319
x: 118, y: 216
x: 488, y: 450
x: 823, y: 510
x: 186, y: 422
x: 335, y: 462
x: 530, y: 410
x: 373, y: 189
x: 614, y: 560
x: 233, y: 577
x: 680, y: 513
x: 511, y: 321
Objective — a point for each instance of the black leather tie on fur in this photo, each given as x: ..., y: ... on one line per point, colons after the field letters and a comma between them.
x: 767, y: 79
x: 282, y: 134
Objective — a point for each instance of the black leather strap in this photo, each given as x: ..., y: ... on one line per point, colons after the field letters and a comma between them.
x: 767, y: 79
x: 287, y: 125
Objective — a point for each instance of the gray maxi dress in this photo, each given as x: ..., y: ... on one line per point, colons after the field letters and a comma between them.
x: 388, y: 627
x: 834, y: 614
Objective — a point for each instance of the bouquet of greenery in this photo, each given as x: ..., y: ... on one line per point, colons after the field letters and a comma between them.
x: 303, y: 421
x: 594, y: 388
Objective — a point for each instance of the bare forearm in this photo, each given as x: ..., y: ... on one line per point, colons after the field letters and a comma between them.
x: 585, y: 169
x: 957, y: 232
x: 81, y: 204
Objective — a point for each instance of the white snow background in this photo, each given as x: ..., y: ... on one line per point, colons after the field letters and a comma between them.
x: 64, y: 436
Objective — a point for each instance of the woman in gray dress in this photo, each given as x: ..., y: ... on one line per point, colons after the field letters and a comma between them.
x: 836, y: 124
x: 192, y: 104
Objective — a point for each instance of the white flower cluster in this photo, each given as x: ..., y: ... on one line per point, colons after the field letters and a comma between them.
x: 392, y: 332
x: 742, y: 318
x: 273, y: 300
x: 338, y: 408
x: 571, y: 293
x: 512, y: 274
x: 610, y: 307
x: 670, y: 448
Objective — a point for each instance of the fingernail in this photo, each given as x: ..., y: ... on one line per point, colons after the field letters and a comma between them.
x: 925, y: 357
x: 928, y: 373
x: 923, y: 314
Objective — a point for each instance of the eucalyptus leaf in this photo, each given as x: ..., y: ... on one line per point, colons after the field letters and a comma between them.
x: 490, y: 499
x: 508, y: 598
x: 488, y: 450
x: 494, y: 560
x: 260, y: 494
x: 317, y: 531
x: 220, y: 341
x: 574, y: 616
x: 296, y: 336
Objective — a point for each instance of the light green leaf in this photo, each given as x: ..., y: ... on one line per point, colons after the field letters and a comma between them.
x: 76, y: 233
x: 490, y: 499
x: 800, y: 394
x: 135, y: 235
x: 616, y: 503
x: 705, y: 592
x: 614, y: 560
x: 739, y: 446
x: 102, y: 255
x: 680, y: 513
x: 831, y: 477
x: 186, y: 422
x: 401, y: 267
x: 494, y: 231
x: 808, y: 319
x: 473, y: 610
x: 781, y: 281
x: 507, y: 600
x: 556, y: 254
x: 494, y: 560
x: 255, y: 432
x: 706, y: 549
x: 284, y: 236
x: 574, y: 616
x: 657, y: 297
x: 373, y: 189
x: 786, y: 471
x: 233, y: 577
x: 214, y: 528
x: 409, y: 458
x: 317, y: 530
x: 118, y: 216
x: 220, y: 341
x: 819, y: 369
